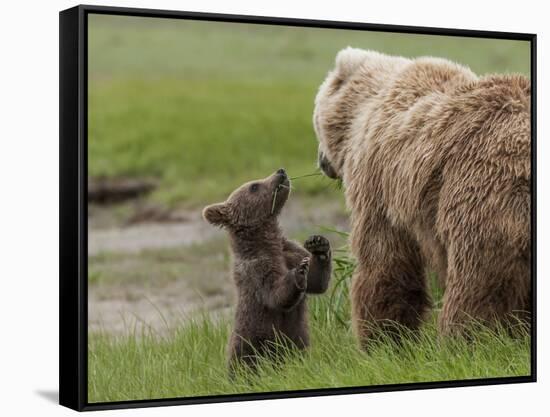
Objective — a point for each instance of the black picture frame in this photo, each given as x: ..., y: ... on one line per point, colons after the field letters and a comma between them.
x: 73, y: 122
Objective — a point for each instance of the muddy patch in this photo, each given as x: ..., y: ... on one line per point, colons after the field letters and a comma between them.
x: 135, y: 237
x: 135, y: 309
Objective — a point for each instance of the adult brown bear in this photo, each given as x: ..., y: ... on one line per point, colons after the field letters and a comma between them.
x: 435, y: 162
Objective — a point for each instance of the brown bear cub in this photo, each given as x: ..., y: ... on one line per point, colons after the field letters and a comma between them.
x: 272, y: 274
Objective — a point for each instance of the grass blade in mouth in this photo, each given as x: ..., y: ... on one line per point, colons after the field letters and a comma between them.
x: 314, y: 174
x: 274, y: 199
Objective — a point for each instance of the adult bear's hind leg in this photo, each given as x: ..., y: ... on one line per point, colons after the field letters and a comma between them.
x: 487, y: 284
x: 389, y: 284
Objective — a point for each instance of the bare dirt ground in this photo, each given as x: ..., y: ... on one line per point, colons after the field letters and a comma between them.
x: 154, y: 272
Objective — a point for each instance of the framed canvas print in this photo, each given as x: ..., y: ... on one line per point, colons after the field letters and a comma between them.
x: 256, y: 207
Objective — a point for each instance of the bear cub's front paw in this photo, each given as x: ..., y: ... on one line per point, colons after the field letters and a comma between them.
x: 317, y: 245
x: 301, y: 274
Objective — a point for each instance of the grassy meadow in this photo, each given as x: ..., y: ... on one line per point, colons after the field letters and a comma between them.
x: 201, y: 108
x: 192, y: 360
x: 204, y: 106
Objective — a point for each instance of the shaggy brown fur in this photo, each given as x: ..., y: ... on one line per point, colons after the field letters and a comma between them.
x: 435, y: 162
x: 272, y: 274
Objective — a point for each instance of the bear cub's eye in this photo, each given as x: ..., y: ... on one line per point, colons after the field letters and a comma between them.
x: 254, y: 187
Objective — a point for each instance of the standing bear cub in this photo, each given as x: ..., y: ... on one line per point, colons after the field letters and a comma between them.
x: 272, y: 273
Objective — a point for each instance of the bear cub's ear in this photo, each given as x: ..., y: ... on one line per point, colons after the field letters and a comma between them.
x: 216, y: 214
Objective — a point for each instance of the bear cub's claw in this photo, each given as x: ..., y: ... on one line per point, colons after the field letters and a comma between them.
x: 301, y: 274
x: 317, y: 245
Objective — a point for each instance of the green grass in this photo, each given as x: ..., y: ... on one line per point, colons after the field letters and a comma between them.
x: 206, y: 106
x: 191, y: 360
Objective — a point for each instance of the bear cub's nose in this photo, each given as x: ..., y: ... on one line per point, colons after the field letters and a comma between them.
x: 281, y: 171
